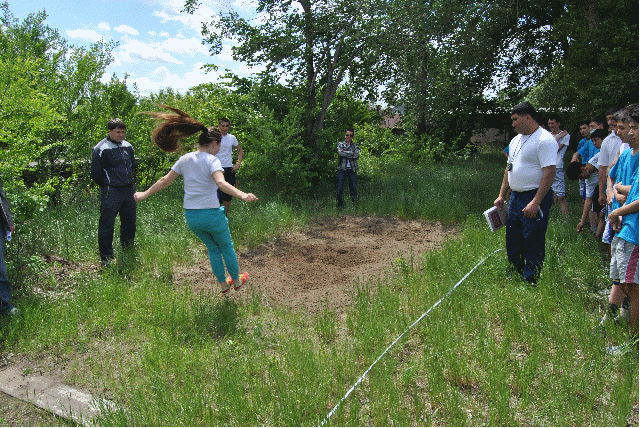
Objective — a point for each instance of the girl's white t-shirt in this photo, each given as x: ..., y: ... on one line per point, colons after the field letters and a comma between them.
x: 200, y: 189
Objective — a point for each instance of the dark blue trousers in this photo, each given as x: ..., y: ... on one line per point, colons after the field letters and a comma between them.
x: 526, y: 236
x: 352, y: 177
x: 116, y: 201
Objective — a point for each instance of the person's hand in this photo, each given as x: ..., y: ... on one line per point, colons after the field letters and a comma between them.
x: 602, y: 199
x: 531, y: 210
x: 609, y: 197
x: 499, y: 203
x: 249, y: 197
x: 615, y: 221
x: 138, y: 196
x: 580, y: 226
x: 620, y: 197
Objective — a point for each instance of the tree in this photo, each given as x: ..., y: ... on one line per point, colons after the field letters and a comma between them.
x: 445, y: 58
x: 457, y: 60
x: 315, y: 44
x: 62, y: 106
x: 595, y: 61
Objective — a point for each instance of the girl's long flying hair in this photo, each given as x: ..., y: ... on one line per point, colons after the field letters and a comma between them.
x: 175, y: 127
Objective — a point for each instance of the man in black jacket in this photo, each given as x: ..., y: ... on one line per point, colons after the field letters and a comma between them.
x: 112, y: 168
x: 6, y: 225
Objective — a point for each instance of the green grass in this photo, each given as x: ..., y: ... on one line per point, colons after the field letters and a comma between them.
x: 495, y: 352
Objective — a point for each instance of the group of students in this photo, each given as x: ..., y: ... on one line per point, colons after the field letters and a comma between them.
x: 606, y: 165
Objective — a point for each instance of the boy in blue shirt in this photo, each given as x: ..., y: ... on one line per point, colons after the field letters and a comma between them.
x: 589, y: 175
x: 624, y: 253
x: 624, y: 246
x: 586, y: 150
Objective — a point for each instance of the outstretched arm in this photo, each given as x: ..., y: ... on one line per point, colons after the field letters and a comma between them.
x: 159, y: 185
x: 227, y: 188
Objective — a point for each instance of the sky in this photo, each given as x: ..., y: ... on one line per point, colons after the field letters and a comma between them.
x: 158, y: 45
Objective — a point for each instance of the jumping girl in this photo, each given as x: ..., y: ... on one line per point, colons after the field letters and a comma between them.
x: 203, y: 176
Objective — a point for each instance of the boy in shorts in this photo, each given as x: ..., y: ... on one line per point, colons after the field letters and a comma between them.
x: 558, y: 186
x: 586, y: 150
x: 623, y: 174
x: 624, y: 255
x: 228, y: 143
x: 589, y: 173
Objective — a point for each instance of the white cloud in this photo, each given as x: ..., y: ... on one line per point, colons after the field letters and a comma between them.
x: 104, y: 26
x: 245, y: 70
x: 226, y: 54
x: 172, y: 11
x: 134, y: 51
x: 125, y: 29
x: 161, y: 78
x: 244, y: 5
x: 165, y: 51
x: 164, y: 34
x: 184, y: 46
x: 84, y: 34
x: 261, y: 18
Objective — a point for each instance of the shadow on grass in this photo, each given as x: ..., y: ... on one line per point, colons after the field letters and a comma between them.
x: 217, y: 321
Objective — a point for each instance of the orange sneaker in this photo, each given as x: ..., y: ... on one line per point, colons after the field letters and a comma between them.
x: 225, y: 287
x: 243, y: 278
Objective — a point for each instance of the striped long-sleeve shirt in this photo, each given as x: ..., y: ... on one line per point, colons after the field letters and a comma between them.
x: 348, y: 154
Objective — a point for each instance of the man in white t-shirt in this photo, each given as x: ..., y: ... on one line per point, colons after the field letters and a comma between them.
x: 558, y: 186
x: 228, y: 143
x: 530, y: 171
x: 608, y: 152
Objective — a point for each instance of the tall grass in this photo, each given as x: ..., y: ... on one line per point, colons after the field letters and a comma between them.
x: 496, y: 352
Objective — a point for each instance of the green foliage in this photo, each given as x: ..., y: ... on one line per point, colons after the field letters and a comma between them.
x: 53, y: 108
x: 26, y: 114
x: 316, y: 43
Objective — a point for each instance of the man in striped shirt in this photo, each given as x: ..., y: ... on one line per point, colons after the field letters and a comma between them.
x: 348, y: 154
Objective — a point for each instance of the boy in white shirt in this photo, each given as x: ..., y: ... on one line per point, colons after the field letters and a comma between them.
x: 558, y: 186
x: 228, y: 143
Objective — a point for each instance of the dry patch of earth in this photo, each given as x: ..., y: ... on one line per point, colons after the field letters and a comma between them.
x: 318, y: 266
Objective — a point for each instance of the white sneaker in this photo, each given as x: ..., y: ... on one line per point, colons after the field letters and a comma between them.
x: 14, y: 311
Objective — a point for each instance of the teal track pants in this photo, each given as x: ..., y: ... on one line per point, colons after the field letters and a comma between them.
x: 212, y: 227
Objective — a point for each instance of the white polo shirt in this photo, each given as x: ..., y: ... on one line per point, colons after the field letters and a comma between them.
x: 564, y: 143
x: 227, y: 144
x: 528, y: 155
x: 609, y: 149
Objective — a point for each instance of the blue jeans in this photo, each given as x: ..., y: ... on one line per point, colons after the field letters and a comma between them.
x: 5, y: 286
x: 212, y: 227
x: 526, y: 236
x: 352, y: 176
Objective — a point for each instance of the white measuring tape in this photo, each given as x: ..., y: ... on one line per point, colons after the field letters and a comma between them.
x: 399, y: 337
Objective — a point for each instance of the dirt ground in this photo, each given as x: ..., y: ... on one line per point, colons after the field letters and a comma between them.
x: 319, y: 265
